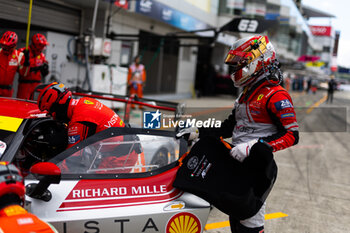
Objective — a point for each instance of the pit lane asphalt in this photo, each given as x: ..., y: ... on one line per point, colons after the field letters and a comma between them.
x: 312, y: 191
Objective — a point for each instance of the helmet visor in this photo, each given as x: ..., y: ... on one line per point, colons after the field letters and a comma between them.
x: 6, y: 47
x: 239, y: 59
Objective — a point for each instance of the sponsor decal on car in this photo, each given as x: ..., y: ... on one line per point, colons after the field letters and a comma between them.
x: 40, y: 115
x: 120, y: 225
x: 184, y: 223
x: 10, y: 123
x: 107, y: 193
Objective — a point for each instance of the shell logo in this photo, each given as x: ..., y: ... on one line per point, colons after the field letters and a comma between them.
x: 184, y: 223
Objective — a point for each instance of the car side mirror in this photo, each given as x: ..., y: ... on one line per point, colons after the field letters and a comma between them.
x: 47, y: 173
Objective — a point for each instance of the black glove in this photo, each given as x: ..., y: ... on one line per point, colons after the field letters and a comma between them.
x: 26, y: 57
x: 44, y: 70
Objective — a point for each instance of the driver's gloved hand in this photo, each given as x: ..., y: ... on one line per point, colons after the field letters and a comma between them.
x: 242, y: 150
x: 188, y: 134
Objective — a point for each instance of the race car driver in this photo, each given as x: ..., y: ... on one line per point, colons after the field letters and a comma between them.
x: 85, y: 117
x: 38, y: 67
x: 11, y: 61
x: 13, y: 217
x: 263, y: 113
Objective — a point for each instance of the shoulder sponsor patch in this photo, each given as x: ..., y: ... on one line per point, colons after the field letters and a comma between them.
x: 13, y: 62
x: 255, y: 112
x: 72, y: 130
x: 88, y: 102
x: 73, y: 139
x: 283, y: 104
x: 74, y: 102
x: 287, y: 115
x: 25, y: 221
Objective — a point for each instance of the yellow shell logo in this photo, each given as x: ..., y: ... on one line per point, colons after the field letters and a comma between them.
x: 260, y: 97
x: 184, y: 223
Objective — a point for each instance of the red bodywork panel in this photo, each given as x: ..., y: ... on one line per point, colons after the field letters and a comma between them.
x: 19, y: 108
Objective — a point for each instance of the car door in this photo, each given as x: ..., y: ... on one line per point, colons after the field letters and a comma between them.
x: 109, y: 184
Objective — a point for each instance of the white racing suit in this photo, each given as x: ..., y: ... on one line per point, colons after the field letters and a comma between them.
x: 265, y: 112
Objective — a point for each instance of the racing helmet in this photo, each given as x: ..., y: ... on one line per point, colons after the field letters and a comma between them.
x: 39, y: 43
x: 11, y: 182
x: 52, y: 95
x: 248, y: 57
x: 8, y: 41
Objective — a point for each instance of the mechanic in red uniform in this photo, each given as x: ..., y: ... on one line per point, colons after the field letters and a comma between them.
x: 85, y: 117
x: 263, y: 113
x: 13, y: 217
x: 38, y: 67
x: 11, y: 61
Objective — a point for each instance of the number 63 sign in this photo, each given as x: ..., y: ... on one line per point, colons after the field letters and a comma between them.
x: 248, y: 25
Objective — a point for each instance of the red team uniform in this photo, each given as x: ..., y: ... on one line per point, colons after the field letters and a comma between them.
x: 38, y: 67
x: 11, y: 61
x: 85, y: 117
x: 28, y: 82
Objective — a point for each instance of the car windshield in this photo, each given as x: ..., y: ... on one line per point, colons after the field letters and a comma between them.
x: 130, y: 153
